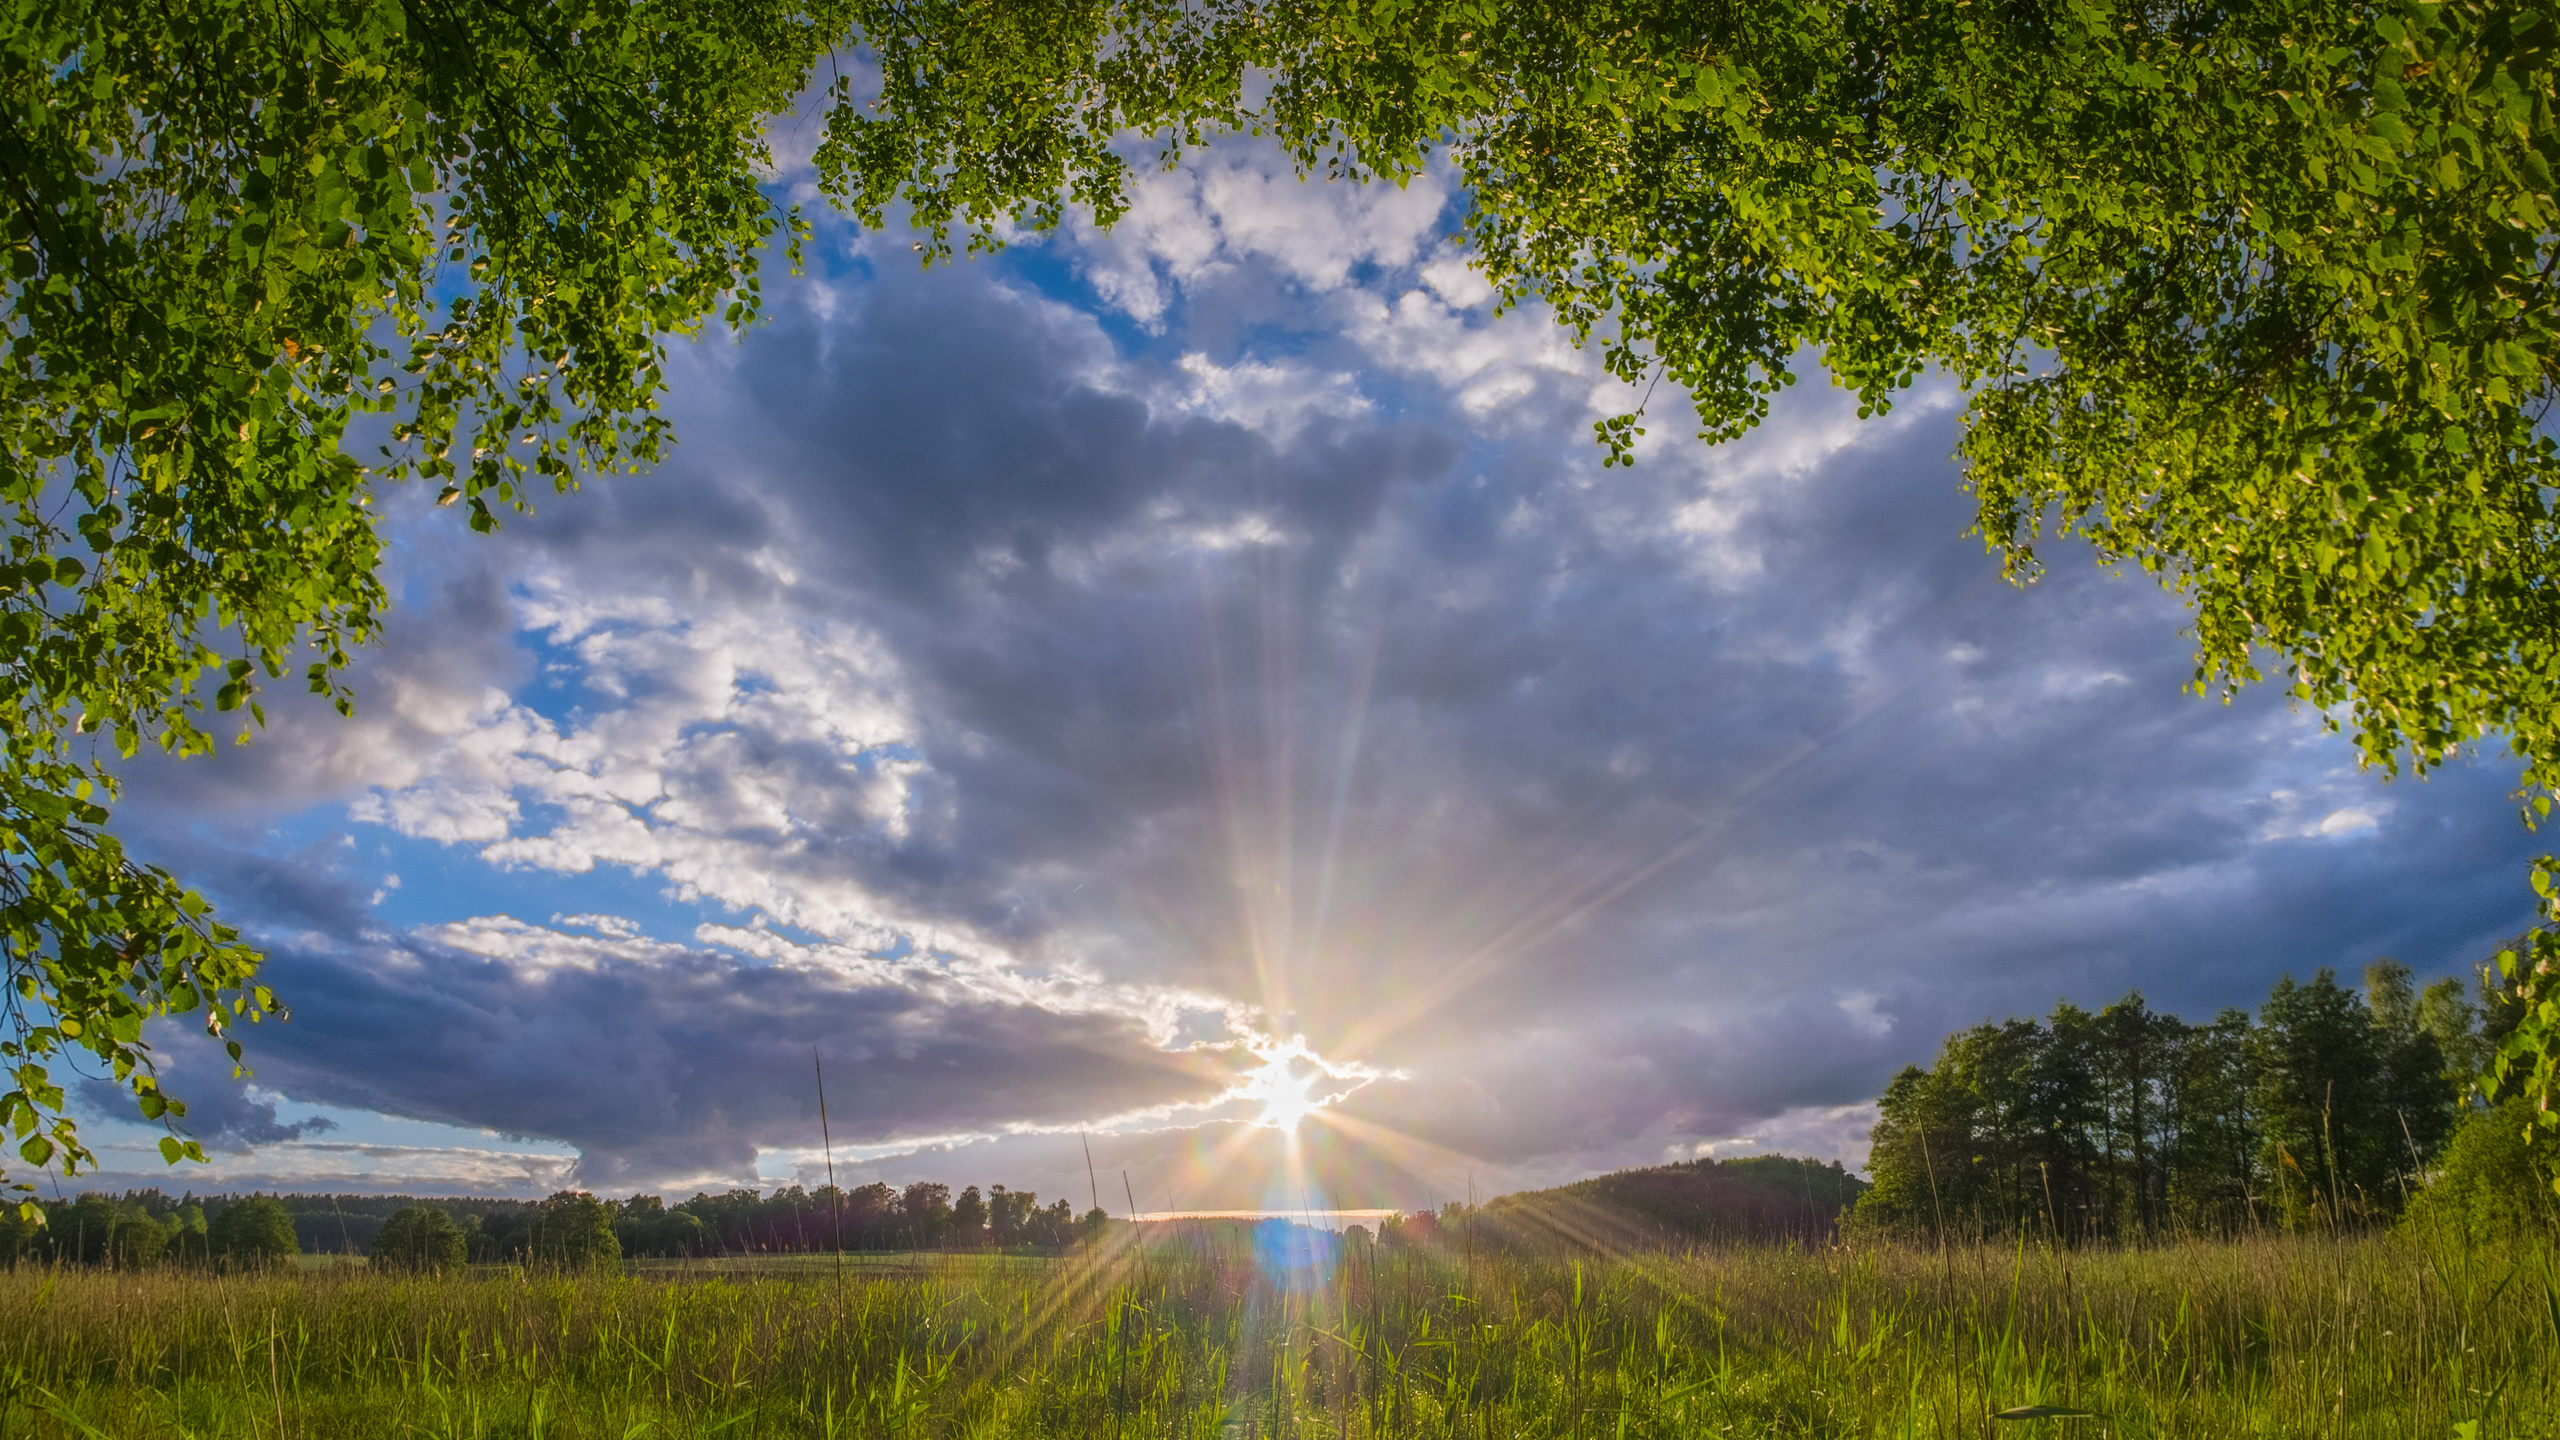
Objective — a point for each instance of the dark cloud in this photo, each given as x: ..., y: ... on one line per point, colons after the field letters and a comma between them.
x: 660, y: 1061
x: 1622, y: 810
x: 221, y: 1116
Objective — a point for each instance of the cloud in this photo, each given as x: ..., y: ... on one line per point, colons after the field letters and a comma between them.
x: 1005, y: 698
x: 660, y: 1060
x: 223, y: 1116
x: 1234, y: 220
x: 345, y: 1169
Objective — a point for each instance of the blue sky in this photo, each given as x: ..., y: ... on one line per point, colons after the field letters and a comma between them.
x: 1147, y: 683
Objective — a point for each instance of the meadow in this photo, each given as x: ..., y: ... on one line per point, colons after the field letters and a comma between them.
x: 2294, y: 1336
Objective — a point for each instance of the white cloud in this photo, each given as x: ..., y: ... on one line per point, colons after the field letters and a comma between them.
x: 1276, y: 400
x: 1822, y: 1132
x: 984, y: 694
x: 1237, y: 206
x: 2314, y: 811
x: 711, y: 743
x: 350, y: 1166
x: 612, y: 927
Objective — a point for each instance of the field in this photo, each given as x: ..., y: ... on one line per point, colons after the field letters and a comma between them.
x: 2308, y: 1336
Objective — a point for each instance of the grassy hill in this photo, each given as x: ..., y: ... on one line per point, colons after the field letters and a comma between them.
x: 1710, y: 1202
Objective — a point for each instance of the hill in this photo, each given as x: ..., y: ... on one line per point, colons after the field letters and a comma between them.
x: 1698, y: 1202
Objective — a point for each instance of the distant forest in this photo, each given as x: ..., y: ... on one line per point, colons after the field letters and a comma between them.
x: 2325, y: 1107
x: 2328, y: 1106
x: 790, y: 1220
x: 1763, y: 1198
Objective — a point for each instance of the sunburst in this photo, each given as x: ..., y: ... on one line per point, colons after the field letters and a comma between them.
x: 1285, y: 1090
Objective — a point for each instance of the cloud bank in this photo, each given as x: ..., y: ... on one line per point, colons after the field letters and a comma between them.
x: 1031, y: 679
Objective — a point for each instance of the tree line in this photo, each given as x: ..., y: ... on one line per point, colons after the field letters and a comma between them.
x: 922, y: 1216
x: 2328, y: 1106
x: 144, y: 1227
x: 571, y: 1228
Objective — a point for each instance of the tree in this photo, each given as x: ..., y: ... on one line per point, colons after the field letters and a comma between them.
x: 1056, y: 1226
x: 239, y: 245
x: 2258, y: 297
x: 869, y: 1211
x: 81, y: 1232
x: 968, y: 1224
x: 2254, y: 295
x: 2319, y: 1098
x: 1967, y: 1145
x: 2503, y: 999
x: 19, y: 1238
x: 2128, y: 1122
x: 643, y: 1225
x: 419, y: 1238
x: 2352, y: 1098
x: 138, y: 1240
x: 572, y: 1231
x: 925, y: 1208
x: 191, y: 1242
x: 2453, y: 1022
x: 2134, y: 1051
x: 1912, y: 1126
x: 1009, y: 1216
x: 253, y: 1233
x: 2420, y: 1094
x: 728, y: 1220
x: 2214, y: 1178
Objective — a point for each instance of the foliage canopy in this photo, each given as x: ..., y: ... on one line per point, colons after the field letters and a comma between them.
x: 2257, y: 296
x: 256, y: 261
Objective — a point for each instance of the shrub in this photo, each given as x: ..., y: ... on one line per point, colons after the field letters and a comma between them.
x: 2491, y: 1182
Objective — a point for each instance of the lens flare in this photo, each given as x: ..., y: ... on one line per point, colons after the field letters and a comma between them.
x: 1290, y: 1086
x: 1286, y: 1096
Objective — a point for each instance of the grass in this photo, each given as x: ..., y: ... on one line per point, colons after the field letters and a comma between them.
x: 2371, y: 1336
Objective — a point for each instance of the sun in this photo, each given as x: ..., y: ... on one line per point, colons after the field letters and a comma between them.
x: 1293, y: 1082
x: 1286, y: 1092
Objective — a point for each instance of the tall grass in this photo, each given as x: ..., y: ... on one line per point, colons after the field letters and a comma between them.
x: 2301, y: 1336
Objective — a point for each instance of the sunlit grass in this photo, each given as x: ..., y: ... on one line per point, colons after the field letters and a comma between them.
x: 2313, y: 1336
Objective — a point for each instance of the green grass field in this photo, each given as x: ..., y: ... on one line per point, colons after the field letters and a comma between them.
x: 2298, y: 1337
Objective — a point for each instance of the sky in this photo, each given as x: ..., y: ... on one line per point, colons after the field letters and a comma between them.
x: 1191, y: 697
